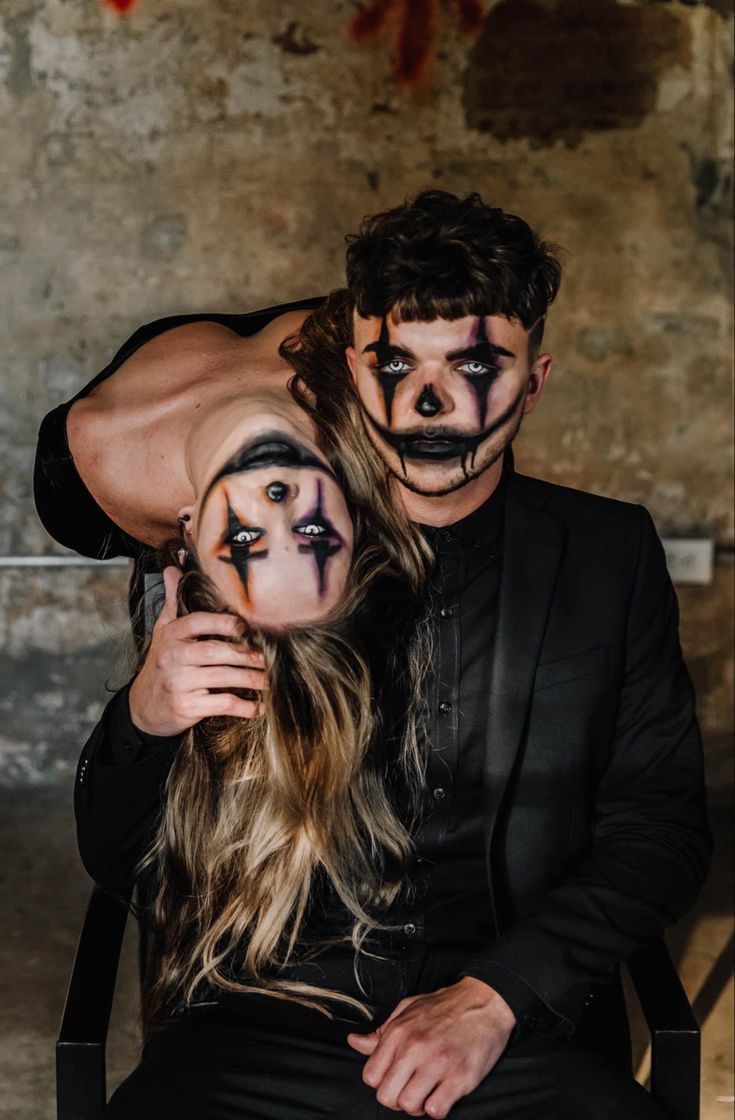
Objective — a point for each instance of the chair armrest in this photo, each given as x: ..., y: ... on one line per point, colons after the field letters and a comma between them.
x: 80, y: 1049
x: 675, y: 1034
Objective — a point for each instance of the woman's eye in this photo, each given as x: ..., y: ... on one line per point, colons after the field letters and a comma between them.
x: 245, y: 536
x: 395, y: 366
x: 312, y: 529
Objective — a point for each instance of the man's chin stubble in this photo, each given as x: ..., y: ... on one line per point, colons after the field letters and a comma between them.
x: 451, y: 488
x: 464, y: 479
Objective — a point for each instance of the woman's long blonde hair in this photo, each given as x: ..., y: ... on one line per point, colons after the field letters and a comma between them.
x: 258, y: 813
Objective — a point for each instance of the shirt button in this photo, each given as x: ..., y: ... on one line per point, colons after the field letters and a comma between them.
x: 446, y: 536
x: 409, y: 929
x: 439, y: 794
x: 446, y: 612
x: 128, y: 748
x: 477, y: 545
x: 445, y: 707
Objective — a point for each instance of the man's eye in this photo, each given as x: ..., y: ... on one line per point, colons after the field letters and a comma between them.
x: 396, y: 366
x: 312, y: 529
x: 477, y: 369
x: 245, y: 536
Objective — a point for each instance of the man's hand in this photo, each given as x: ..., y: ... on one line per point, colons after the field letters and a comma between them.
x: 187, y: 657
x: 435, y: 1048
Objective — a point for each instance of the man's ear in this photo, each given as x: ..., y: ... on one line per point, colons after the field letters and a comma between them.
x: 351, y: 356
x: 538, y: 377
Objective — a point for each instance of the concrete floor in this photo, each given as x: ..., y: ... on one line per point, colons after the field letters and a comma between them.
x: 45, y: 890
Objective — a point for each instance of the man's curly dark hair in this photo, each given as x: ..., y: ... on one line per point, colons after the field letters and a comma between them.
x: 443, y: 256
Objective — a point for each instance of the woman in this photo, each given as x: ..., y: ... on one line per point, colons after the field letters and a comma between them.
x: 287, y: 834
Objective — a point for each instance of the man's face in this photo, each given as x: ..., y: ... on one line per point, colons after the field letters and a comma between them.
x: 443, y: 400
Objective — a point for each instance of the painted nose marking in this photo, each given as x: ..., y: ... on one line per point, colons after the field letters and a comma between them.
x: 428, y: 404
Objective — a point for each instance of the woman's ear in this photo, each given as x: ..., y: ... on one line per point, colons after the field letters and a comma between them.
x: 185, y: 519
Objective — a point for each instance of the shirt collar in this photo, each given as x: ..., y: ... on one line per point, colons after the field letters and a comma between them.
x: 480, y: 529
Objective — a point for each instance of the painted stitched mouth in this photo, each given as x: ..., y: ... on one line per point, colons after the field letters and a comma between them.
x: 270, y: 450
x: 441, y: 445
x: 437, y: 447
x: 277, y: 453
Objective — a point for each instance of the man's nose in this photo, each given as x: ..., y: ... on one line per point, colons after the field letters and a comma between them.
x: 428, y: 403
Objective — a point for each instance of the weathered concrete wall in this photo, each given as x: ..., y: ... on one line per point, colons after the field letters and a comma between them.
x: 193, y: 157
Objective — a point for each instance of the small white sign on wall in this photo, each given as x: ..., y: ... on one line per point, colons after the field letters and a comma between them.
x: 689, y: 559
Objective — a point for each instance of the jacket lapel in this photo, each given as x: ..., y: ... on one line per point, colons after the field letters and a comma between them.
x: 533, y: 544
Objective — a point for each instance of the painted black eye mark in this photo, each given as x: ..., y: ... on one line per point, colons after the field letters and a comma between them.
x: 313, y: 529
x: 478, y: 369
x: 240, y: 539
x: 324, y: 540
x: 480, y: 375
x: 390, y: 368
x: 245, y: 536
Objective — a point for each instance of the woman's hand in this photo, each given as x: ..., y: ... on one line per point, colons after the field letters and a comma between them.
x: 187, y: 658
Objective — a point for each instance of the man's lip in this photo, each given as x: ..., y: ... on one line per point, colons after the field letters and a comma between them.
x: 437, y: 448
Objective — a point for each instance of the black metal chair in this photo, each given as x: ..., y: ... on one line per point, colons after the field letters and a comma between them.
x: 80, y: 1049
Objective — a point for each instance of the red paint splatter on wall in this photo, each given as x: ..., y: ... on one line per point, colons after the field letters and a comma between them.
x: 121, y: 6
x: 416, y: 30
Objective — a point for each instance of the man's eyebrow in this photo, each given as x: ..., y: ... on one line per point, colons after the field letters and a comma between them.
x: 480, y: 351
x: 387, y: 348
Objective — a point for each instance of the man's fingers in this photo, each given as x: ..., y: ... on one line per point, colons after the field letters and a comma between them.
x: 222, y: 676
x: 171, y: 580
x: 365, y: 1043
x: 202, y: 623
x: 379, y: 1063
x: 393, y: 1083
x: 214, y: 652
x: 413, y: 1097
x: 224, y: 704
x: 446, y: 1095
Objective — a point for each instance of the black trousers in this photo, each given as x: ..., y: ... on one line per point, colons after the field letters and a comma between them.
x: 252, y: 1057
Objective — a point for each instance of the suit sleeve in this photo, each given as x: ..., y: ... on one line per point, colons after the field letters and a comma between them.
x: 651, y: 844
x: 119, y: 794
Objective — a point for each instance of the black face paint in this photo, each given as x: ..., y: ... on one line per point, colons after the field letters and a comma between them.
x: 386, y: 352
x: 274, y: 449
x: 324, y: 540
x: 240, y: 554
x: 442, y: 444
x: 428, y: 404
x: 483, y: 352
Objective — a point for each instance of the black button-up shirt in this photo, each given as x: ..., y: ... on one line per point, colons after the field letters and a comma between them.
x: 447, y: 899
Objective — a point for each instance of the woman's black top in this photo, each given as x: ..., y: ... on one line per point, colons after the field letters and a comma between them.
x: 64, y: 504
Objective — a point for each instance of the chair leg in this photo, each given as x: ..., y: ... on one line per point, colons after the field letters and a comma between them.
x: 675, y: 1073
x: 80, y: 1080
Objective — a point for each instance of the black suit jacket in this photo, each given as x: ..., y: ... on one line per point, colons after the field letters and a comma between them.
x: 596, y: 826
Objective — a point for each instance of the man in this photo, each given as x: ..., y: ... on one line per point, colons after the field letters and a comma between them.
x: 565, y: 779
